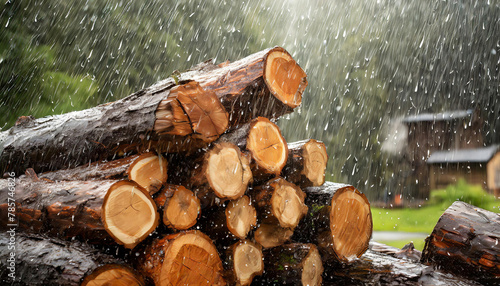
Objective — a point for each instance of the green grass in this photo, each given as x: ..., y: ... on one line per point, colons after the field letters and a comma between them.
x: 423, y: 219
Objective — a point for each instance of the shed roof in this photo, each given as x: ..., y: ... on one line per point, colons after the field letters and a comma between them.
x: 478, y: 155
x: 443, y: 116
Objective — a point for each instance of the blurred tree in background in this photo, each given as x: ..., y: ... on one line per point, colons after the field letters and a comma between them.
x: 368, y: 62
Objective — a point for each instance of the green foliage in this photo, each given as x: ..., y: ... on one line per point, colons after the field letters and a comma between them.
x: 461, y: 191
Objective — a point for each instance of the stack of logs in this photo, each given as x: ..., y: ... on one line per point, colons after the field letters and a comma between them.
x: 187, y: 182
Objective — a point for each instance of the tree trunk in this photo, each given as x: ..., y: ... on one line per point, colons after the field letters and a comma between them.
x: 166, y: 116
x: 64, y: 209
x: 465, y: 241
x: 113, y: 274
x: 306, y: 163
x: 42, y: 261
x: 129, y: 213
x: 243, y: 261
x: 293, y: 264
x: 186, y: 258
x: 149, y: 171
x: 270, y: 234
x: 339, y: 222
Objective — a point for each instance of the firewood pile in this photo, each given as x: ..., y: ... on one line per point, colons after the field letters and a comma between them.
x: 187, y: 182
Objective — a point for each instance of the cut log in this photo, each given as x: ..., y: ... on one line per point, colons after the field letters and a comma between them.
x: 243, y: 261
x: 64, y: 209
x: 186, y: 258
x: 149, y: 171
x: 180, y: 207
x: 374, y: 268
x: 113, y: 274
x: 306, y: 163
x: 280, y: 200
x: 166, y: 116
x: 293, y: 264
x: 116, y: 169
x: 129, y: 213
x: 466, y: 241
x: 339, y: 222
x: 230, y: 223
x: 39, y: 260
x: 224, y: 169
x: 270, y: 234
x: 264, y: 141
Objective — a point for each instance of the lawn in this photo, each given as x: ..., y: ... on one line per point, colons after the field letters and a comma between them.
x: 423, y: 219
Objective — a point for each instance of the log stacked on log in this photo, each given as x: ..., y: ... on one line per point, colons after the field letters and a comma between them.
x: 213, y: 178
x: 466, y: 241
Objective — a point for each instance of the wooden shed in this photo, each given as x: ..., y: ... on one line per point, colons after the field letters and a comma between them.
x: 476, y: 166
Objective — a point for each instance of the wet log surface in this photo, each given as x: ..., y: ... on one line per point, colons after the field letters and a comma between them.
x: 466, y: 241
x: 65, y: 209
x: 339, y: 221
x: 268, y: 83
x: 43, y: 261
x: 306, y: 163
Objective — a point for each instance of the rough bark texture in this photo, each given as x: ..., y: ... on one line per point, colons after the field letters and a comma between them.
x: 44, y: 261
x: 306, y: 163
x: 339, y: 222
x: 242, y: 262
x: 100, y: 170
x: 374, y: 268
x: 65, y: 209
x: 293, y: 264
x: 246, y: 89
x: 181, y: 259
x: 466, y: 241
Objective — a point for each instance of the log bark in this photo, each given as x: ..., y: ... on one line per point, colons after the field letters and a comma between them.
x: 129, y: 214
x: 375, y: 268
x: 306, y: 163
x: 186, y: 258
x: 466, y: 241
x: 280, y: 200
x: 293, y: 264
x: 229, y: 223
x: 64, y: 209
x: 243, y: 261
x: 339, y: 222
x: 166, y: 116
x: 46, y: 261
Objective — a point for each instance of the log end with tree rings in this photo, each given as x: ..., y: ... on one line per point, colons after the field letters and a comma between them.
x: 129, y: 213
x: 181, y: 211
x: 227, y: 170
x: 247, y: 261
x: 315, y: 160
x: 287, y: 203
x: 149, y: 171
x: 241, y: 217
x: 191, y: 110
x: 113, y: 274
x: 284, y: 77
x: 350, y: 221
x: 267, y: 146
x: 186, y: 258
